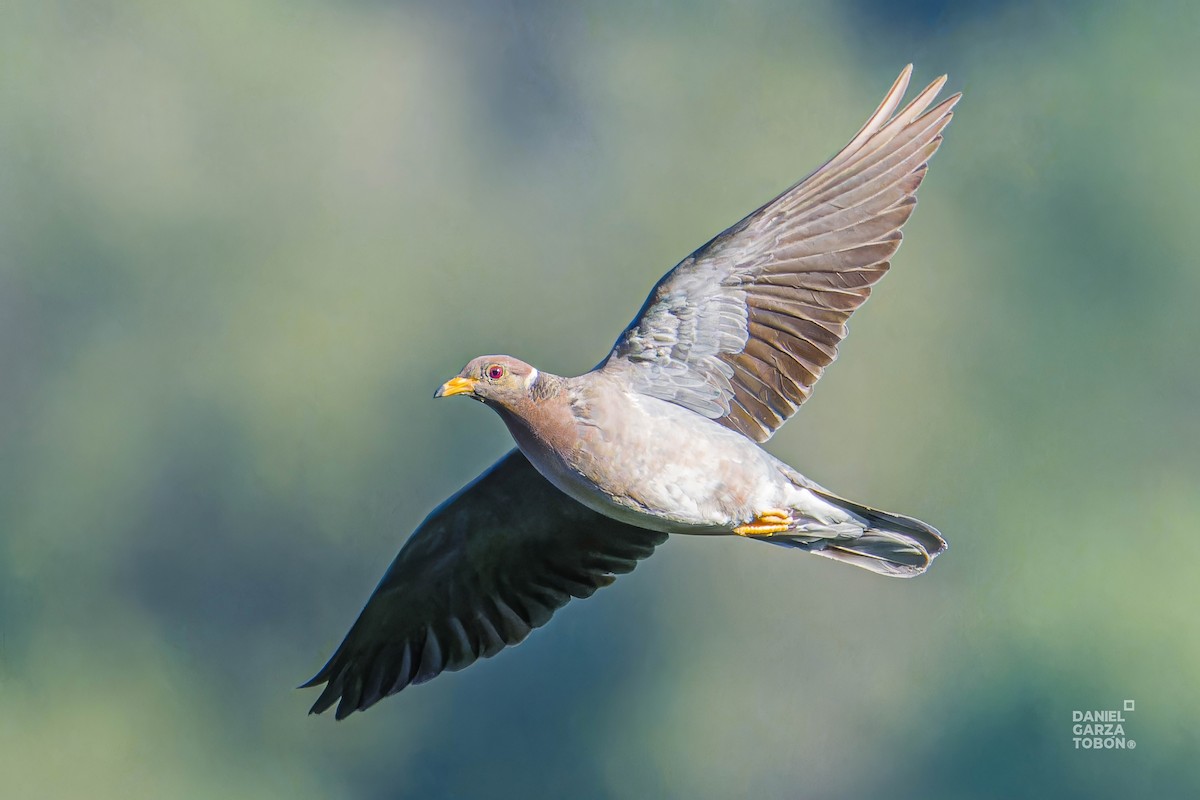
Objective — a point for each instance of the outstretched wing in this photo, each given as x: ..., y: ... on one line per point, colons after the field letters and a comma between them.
x: 484, y: 569
x: 742, y: 329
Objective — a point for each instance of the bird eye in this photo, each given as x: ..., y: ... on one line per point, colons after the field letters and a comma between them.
x: 495, y: 372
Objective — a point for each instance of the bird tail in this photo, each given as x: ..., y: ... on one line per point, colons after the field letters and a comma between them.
x: 890, y: 544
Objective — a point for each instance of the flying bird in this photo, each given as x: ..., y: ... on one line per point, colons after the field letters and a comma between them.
x: 663, y: 436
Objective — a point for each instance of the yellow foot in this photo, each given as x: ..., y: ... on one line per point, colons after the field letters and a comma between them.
x: 771, y: 521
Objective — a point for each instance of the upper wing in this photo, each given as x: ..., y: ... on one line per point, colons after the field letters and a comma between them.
x: 489, y: 565
x: 742, y: 329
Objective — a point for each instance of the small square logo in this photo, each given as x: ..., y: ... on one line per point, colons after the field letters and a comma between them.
x: 1129, y: 705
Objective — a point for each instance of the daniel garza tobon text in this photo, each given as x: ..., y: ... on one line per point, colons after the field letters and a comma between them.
x: 1102, y: 729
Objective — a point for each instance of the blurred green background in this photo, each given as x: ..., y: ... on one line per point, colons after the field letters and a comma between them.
x: 242, y: 242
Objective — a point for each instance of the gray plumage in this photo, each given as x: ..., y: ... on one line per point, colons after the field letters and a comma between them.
x: 492, y: 563
x: 742, y: 329
x: 663, y: 436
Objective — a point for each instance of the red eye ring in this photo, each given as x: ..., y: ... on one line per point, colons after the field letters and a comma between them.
x: 495, y: 372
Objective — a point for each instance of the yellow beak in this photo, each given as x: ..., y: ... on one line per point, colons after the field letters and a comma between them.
x: 457, y: 385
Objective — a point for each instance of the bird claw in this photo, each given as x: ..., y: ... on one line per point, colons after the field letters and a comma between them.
x: 767, y: 523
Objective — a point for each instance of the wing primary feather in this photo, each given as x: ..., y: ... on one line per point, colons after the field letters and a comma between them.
x: 891, y: 101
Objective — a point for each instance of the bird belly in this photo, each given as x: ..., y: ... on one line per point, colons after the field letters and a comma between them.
x: 657, y: 465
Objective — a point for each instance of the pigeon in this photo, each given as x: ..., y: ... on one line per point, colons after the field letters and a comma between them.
x: 664, y: 435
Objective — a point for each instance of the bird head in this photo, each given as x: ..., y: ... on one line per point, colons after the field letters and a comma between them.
x: 502, y: 380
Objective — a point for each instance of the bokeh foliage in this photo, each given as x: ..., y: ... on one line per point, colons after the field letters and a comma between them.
x: 241, y: 243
